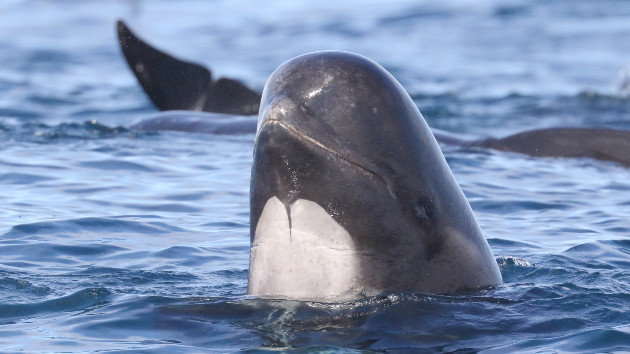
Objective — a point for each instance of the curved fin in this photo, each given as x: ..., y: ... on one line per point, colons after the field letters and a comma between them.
x: 174, y: 84
x: 170, y: 83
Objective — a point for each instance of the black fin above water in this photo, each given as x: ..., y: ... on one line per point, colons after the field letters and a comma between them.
x: 174, y: 84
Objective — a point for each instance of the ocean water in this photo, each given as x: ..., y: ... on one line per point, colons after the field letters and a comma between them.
x: 113, y: 239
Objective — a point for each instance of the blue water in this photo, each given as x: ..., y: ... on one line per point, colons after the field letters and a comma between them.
x: 113, y: 239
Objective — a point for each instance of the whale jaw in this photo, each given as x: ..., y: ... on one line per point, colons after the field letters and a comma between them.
x: 301, y: 252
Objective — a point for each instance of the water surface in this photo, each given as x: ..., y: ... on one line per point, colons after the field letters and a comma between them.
x: 114, y: 239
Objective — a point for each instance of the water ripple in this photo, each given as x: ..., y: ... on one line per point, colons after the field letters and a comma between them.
x: 82, y: 300
x: 115, y: 238
x: 94, y: 224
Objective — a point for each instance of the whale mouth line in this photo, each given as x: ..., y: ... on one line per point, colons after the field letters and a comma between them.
x: 294, y: 131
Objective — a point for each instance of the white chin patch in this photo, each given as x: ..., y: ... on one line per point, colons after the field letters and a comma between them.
x: 313, y: 258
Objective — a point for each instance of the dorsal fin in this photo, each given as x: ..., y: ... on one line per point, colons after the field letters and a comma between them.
x: 174, y: 84
x: 170, y: 83
x: 230, y: 96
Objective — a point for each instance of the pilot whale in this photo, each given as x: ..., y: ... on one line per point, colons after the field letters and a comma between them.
x: 350, y: 193
x: 175, y: 84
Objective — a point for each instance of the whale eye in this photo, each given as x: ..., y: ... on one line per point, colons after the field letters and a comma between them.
x: 423, y: 209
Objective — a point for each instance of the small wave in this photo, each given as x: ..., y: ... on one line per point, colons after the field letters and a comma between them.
x: 611, y: 254
x: 505, y: 207
x: 510, y: 244
x: 95, y: 224
x: 56, y: 256
x: 113, y: 165
x: 15, y: 288
x: 82, y: 300
x: 414, y: 14
x: 23, y: 178
x: 27, y: 113
x: 511, y: 11
x: 165, y: 207
x: 116, y: 277
x: 602, y: 340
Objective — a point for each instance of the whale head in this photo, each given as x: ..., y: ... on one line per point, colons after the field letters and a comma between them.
x: 350, y: 192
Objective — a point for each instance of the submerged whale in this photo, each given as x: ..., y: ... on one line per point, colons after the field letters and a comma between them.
x: 350, y: 192
x: 174, y: 84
